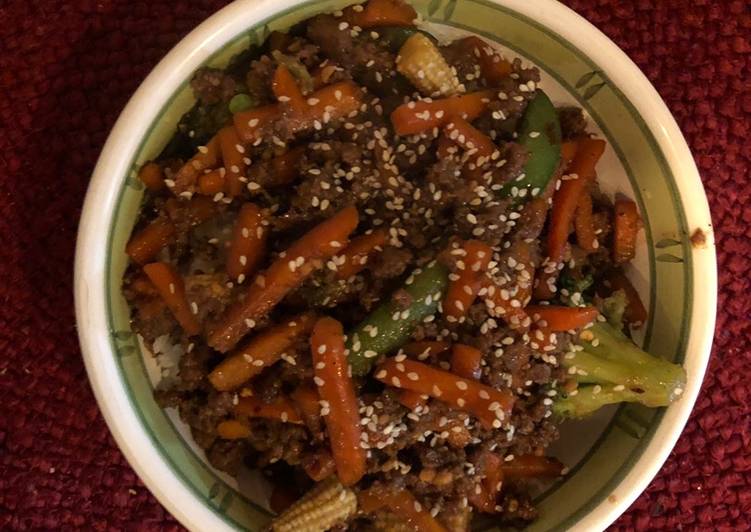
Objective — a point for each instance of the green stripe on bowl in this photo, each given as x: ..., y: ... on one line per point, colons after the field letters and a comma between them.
x: 669, y: 269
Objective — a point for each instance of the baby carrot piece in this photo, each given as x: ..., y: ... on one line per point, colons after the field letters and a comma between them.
x: 473, y: 260
x: 418, y: 116
x: 306, y: 399
x: 255, y: 123
x: 234, y: 159
x: 489, y: 405
x: 233, y: 429
x: 171, y: 288
x: 470, y: 138
x: 381, y: 13
x: 567, y: 196
x: 208, y: 157
x: 248, y: 243
x: 284, y: 274
x: 465, y: 361
x: 212, y: 183
x: 144, y: 245
x: 561, y: 319
x: 410, y: 399
x: 626, y: 226
x: 152, y: 176
x: 531, y: 466
x: 493, y: 67
x: 260, y: 352
x: 401, y: 502
x: 491, y: 466
x: 332, y: 376
x: 425, y: 348
x: 356, y: 254
x: 286, y: 90
x: 281, y: 409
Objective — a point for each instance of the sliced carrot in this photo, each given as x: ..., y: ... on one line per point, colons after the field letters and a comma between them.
x: 493, y: 67
x: 635, y: 314
x: 470, y: 138
x: 410, y: 399
x: 626, y: 225
x: 171, y: 288
x: 212, y: 183
x: 584, y: 224
x: 568, y: 152
x: 284, y: 168
x: 281, y: 409
x: 233, y: 429
x: 401, y: 502
x: 531, y: 466
x: 284, y: 274
x: 357, y: 253
x: 254, y: 124
x: 286, y: 89
x: 463, y: 290
x: 418, y: 116
x: 466, y: 361
x: 425, y: 348
x: 207, y: 158
x: 381, y: 13
x: 260, y: 352
x: 490, y: 485
x: 234, y: 160
x: 144, y: 245
x: 332, y: 376
x: 319, y: 465
x: 567, y: 196
x: 489, y: 405
x: 561, y: 319
x: 306, y: 399
x: 248, y: 243
x: 152, y: 175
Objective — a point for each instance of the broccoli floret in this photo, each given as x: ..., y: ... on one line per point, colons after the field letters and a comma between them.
x: 612, y: 369
x: 613, y: 308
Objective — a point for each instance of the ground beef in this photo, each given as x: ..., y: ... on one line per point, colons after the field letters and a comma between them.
x: 391, y: 262
x: 259, y: 78
x: 227, y: 455
x: 370, y: 63
x: 211, y: 85
x: 573, y: 123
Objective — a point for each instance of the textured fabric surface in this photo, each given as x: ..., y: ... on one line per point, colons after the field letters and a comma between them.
x: 67, y: 67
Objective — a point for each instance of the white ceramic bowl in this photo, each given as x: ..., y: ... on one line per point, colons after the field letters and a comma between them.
x: 614, y: 455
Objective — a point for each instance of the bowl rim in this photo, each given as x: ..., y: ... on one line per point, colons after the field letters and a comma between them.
x: 178, y: 65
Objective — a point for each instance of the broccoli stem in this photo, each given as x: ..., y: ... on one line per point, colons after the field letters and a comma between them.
x: 616, y: 370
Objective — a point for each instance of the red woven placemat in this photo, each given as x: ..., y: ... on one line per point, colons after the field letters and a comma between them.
x: 66, y: 70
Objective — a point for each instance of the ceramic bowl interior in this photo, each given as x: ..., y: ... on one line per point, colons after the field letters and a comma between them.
x: 612, y: 455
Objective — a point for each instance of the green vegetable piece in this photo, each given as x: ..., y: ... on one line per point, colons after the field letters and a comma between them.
x: 540, y: 134
x: 390, y: 326
x: 617, y: 370
x: 241, y: 102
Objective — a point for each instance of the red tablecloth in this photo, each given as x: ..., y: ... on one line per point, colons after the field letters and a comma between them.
x: 66, y: 70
